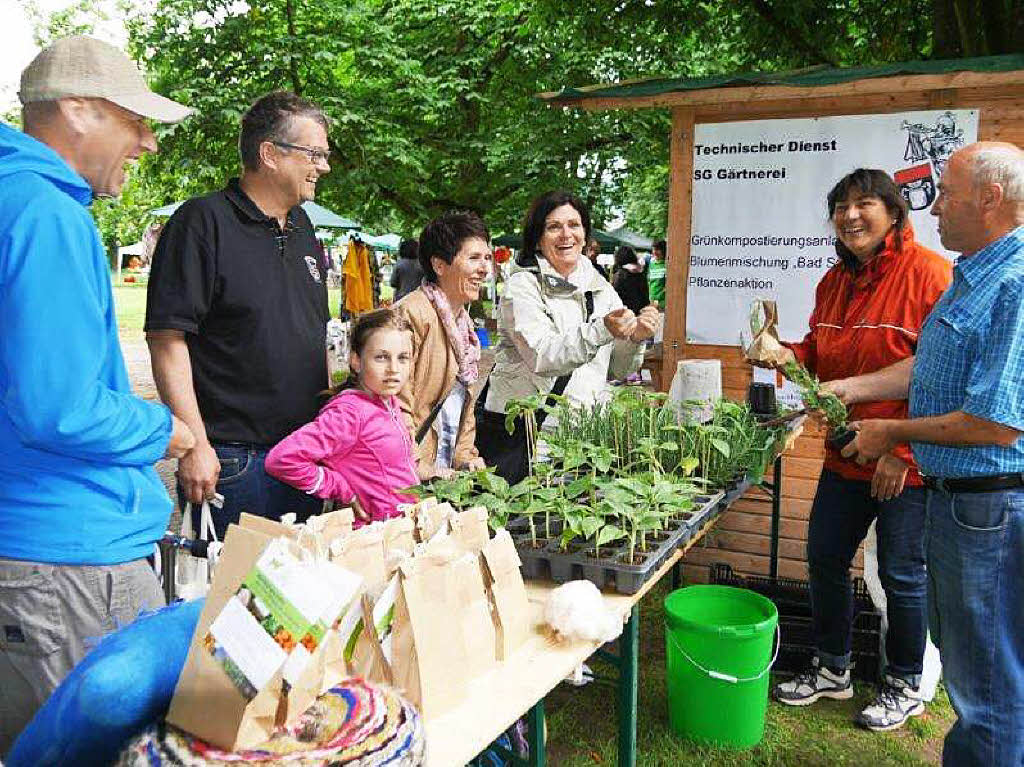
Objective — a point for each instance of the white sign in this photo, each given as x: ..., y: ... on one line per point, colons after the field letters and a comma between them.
x: 760, y: 217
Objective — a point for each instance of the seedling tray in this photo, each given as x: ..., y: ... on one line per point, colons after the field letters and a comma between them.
x: 710, y: 507
x: 549, y: 562
x: 730, y: 496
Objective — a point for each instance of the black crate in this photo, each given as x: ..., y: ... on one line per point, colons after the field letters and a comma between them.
x: 792, y: 597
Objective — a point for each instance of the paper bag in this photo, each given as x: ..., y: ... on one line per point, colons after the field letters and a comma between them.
x: 474, y: 614
x: 331, y: 525
x: 362, y: 552
x: 507, y: 592
x: 323, y: 528
x: 371, y: 640
x: 255, y: 640
x: 765, y: 347
x: 428, y: 648
x: 203, y: 687
x: 370, y: 653
x: 469, y: 529
x: 431, y: 520
x: 398, y: 536
x: 327, y: 665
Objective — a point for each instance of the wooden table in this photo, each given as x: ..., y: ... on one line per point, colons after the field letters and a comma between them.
x: 518, y: 685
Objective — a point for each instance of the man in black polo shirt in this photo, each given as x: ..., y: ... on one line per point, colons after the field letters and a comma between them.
x: 237, y: 310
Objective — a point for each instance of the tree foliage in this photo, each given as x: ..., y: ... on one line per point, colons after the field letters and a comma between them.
x: 433, y: 102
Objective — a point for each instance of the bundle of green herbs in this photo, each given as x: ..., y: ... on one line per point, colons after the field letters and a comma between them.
x: 814, y: 398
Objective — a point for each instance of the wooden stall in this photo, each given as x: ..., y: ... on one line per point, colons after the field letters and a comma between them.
x: 992, y: 85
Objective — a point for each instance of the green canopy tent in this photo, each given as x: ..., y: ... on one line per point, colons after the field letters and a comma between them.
x: 632, y: 239
x: 388, y: 242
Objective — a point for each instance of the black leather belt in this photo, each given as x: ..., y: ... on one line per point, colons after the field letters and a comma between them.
x: 975, y: 484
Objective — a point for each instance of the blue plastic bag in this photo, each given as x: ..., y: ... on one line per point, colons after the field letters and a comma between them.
x: 123, y: 685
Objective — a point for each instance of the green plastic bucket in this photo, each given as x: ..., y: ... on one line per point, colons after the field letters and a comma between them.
x: 718, y: 654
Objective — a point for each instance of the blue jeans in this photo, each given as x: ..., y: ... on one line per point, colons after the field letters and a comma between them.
x: 976, y: 609
x: 247, y: 487
x: 840, y: 517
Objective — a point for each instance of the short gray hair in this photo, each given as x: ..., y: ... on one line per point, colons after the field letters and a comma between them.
x: 36, y: 114
x: 1002, y: 164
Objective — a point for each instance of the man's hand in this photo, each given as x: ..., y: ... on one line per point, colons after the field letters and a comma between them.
x: 182, y: 439
x: 874, y: 439
x: 198, y: 472
x: 890, y: 474
x: 647, y: 323
x: 620, y: 323
x: 475, y: 464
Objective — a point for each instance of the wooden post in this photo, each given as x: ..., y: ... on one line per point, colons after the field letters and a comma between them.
x: 680, y: 208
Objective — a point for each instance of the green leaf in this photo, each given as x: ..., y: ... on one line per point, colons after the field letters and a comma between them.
x: 589, y: 526
x: 608, y: 534
x: 687, y: 465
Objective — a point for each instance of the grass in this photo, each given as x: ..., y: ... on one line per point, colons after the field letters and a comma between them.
x: 582, y: 723
x: 130, y: 308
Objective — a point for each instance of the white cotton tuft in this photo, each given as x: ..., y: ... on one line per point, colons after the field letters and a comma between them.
x: 576, y: 611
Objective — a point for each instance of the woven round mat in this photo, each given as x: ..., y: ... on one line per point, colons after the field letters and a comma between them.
x: 355, y: 724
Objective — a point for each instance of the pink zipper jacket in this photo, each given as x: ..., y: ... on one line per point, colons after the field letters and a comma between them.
x: 357, y: 446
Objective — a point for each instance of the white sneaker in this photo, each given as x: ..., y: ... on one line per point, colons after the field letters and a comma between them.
x: 816, y: 682
x: 897, y: 701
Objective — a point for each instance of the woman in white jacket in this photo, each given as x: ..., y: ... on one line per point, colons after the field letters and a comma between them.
x: 562, y: 328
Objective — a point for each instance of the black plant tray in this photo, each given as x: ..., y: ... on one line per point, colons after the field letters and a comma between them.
x: 711, y: 505
x: 548, y: 562
x: 730, y: 495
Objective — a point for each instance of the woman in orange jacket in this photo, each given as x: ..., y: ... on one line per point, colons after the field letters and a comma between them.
x: 868, y: 312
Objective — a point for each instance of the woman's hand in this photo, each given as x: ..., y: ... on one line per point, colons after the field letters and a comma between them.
x: 475, y: 464
x: 647, y: 323
x: 844, y: 388
x: 620, y: 323
x: 890, y: 475
x: 427, y: 473
x: 358, y: 511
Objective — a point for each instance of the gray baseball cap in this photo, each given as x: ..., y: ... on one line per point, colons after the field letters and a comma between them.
x: 88, y: 68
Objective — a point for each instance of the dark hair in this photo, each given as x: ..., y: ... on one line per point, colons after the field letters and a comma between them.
x: 624, y: 255
x: 659, y: 245
x: 270, y: 119
x: 443, y: 237
x: 409, y: 249
x: 540, y: 209
x: 872, y: 183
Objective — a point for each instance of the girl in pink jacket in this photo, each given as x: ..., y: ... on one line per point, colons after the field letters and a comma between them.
x: 358, y: 450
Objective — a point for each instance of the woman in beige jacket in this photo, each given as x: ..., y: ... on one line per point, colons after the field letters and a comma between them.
x: 455, y: 254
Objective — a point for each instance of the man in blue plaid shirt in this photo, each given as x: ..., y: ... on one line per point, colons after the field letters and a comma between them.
x: 966, y: 389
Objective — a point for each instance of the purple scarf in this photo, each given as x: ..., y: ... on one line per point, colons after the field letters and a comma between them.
x: 460, y: 331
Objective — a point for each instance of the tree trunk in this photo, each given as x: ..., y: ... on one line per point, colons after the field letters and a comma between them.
x: 293, y: 68
x: 966, y: 28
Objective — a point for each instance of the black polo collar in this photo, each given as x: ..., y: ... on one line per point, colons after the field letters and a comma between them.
x: 250, y: 209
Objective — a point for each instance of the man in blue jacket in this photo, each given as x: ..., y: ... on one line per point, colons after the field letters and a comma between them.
x: 80, y: 503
